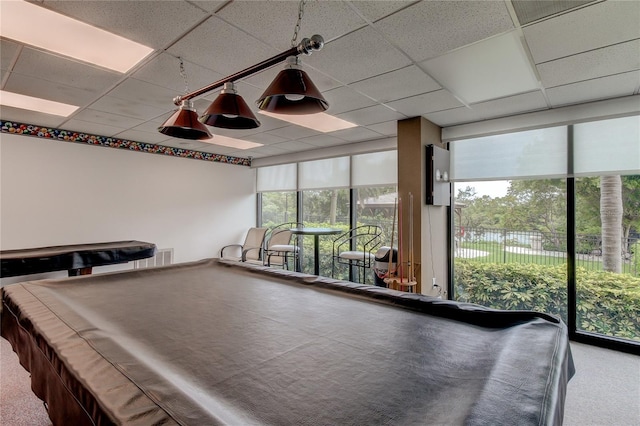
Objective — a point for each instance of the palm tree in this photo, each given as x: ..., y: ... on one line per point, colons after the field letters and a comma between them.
x: 611, y: 220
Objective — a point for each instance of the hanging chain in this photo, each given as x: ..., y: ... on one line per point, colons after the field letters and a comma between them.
x: 297, y: 29
x: 184, y: 75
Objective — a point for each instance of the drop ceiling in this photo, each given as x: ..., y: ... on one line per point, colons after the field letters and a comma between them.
x: 452, y: 62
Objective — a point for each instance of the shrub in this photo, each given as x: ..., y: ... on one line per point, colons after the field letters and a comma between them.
x: 607, y: 303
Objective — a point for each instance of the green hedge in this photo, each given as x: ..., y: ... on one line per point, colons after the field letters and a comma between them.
x: 607, y: 303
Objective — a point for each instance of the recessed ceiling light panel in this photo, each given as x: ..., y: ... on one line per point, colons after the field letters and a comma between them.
x: 43, y: 28
x: 493, y: 68
x: 30, y: 103
x: 231, y: 142
x: 320, y: 122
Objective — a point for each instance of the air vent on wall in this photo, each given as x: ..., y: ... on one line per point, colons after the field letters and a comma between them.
x: 162, y: 257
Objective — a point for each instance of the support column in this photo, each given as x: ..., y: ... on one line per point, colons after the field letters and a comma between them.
x: 429, y: 222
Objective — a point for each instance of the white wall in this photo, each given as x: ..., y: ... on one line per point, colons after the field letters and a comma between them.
x: 54, y: 193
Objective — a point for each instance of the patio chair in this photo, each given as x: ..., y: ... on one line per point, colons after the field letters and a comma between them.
x: 356, y: 248
x: 250, y: 250
x: 278, y: 247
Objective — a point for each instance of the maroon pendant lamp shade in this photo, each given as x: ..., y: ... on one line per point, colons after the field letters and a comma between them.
x: 292, y: 92
x: 184, y: 124
x: 229, y: 111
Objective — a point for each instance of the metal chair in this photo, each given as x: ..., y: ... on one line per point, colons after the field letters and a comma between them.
x: 278, y: 247
x: 356, y: 248
x: 250, y: 250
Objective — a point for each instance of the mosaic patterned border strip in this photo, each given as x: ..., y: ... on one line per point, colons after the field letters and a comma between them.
x: 111, y: 142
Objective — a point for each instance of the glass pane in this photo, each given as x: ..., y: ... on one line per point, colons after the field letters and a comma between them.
x: 608, y: 255
x: 277, y: 208
x: 510, y: 245
x: 378, y: 168
x: 323, y: 209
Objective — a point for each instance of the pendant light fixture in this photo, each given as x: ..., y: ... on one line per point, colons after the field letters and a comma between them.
x: 184, y: 122
x: 292, y: 92
x: 229, y: 111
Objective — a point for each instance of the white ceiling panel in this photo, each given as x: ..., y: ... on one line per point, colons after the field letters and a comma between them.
x: 164, y: 70
x: 293, y: 146
x: 422, y: 104
x: 209, y: 5
x: 127, y: 108
x: 376, y: 9
x: 292, y: 132
x: 39, y: 88
x: 322, y: 140
x: 102, y: 118
x: 610, y: 60
x: 136, y: 135
x: 277, y: 20
x: 57, y: 69
x: 92, y: 128
x: 599, y: 88
x: 216, y: 45
x: 584, y: 29
x: 145, y: 93
x: 525, y: 102
x: 30, y: 117
x: 452, y: 116
x: 359, y: 55
x: 431, y: 28
x: 264, y: 138
x: 397, y: 84
x: 152, y: 23
x: 8, y: 52
x: 357, y: 134
x: 343, y: 99
x: 371, y: 115
x: 387, y: 128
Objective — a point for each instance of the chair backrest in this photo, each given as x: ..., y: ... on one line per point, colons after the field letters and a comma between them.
x: 365, y: 237
x: 253, y: 242
x: 279, y: 237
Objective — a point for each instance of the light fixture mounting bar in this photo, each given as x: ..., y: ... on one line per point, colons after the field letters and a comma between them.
x: 306, y: 46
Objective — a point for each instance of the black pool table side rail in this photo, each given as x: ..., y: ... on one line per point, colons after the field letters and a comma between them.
x: 72, y: 257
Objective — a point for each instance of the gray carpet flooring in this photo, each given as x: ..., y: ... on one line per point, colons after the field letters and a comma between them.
x: 604, y: 392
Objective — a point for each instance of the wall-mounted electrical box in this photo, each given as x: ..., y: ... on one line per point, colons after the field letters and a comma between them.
x: 438, y: 187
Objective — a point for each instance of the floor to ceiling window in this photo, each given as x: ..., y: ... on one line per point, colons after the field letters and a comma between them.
x: 559, y: 231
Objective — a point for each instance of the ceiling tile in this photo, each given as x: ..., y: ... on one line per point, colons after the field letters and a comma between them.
x: 39, y: 88
x: 397, y: 84
x: 596, y: 89
x: 91, y: 128
x: 425, y: 103
x: 376, y: 9
x: 293, y: 146
x: 164, y: 70
x: 343, y: 99
x: 292, y: 132
x: 492, y: 68
x: 589, y: 28
x: 8, y: 51
x: 453, y: 116
x: 107, y: 118
x: 209, y: 5
x: 615, y: 59
x: 46, y: 66
x: 267, y: 151
x: 216, y: 45
x: 357, y: 134
x: 532, y: 10
x: 371, y: 115
x: 388, y: 128
x: 145, y: 93
x: 139, y: 136
x: 30, y: 117
x: 322, y: 140
x: 511, y: 105
x: 358, y: 55
x: 152, y: 23
x: 264, y: 138
x: 274, y: 21
x: 127, y: 108
x: 430, y: 28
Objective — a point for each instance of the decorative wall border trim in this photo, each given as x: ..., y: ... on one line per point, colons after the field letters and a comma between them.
x: 23, y: 129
